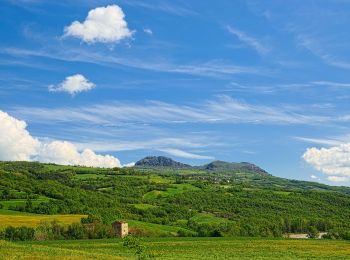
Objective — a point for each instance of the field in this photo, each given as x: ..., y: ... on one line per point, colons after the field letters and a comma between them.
x: 156, y: 229
x: 180, y: 248
x: 17, y: 219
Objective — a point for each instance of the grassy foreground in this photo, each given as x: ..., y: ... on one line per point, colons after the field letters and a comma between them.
x: 180, y: 248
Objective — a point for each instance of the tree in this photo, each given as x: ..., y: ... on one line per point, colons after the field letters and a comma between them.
x: 313, y: 232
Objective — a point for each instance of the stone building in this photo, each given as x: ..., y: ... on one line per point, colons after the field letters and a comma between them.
x: 120, y: 228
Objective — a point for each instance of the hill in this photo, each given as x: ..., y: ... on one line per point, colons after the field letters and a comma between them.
x: 215, y: 166
x: 221, y: 166
x: 160, y: 161
x: 177, y: 201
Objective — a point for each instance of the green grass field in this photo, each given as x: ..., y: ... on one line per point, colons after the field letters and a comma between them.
x: 180, y: 248
x: 156, y: 229
x: 22, y: 202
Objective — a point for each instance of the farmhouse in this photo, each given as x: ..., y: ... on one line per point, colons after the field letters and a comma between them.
x: 120, y: 228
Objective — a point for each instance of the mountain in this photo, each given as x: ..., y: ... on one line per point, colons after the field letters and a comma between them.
x: 160, y: 161
x: 221, y: 166
x: 215, y: 166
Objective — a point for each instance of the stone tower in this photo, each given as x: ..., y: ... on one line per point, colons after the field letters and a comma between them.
x: 120, y: 228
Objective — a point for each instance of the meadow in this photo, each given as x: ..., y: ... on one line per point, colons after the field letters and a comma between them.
x: 180, y: 248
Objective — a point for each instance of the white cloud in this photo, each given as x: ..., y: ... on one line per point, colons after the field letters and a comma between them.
x: 319, y: 141
x: 324, y: 53
x: 103, y: 24
x: 62, y: 152
x: 148, y: 31
x: 222, y: 110
x: 73, y: 85
x: 333, y: 161
x: 331, y: 84
x: 212, y: 68
x: 250, y: 41
x: 313, y: 177
x: 183, y: 154
x: 129, y: 164
x: 337, y: 179
x: 16, y: 143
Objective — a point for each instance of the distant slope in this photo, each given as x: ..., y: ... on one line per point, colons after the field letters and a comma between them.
x: 244, y: 173
x: 160, y: 161
x: 221, y: 166
x: 215, y: 166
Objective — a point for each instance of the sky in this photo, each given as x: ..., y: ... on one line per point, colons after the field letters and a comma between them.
x: 105, y: 83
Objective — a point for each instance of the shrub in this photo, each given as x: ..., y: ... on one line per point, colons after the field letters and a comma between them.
x: 313, y: 232
x: 90, y: 219
x: 19, y: 233
x: 76, y: 231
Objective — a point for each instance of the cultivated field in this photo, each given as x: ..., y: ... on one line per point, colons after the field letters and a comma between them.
x: 17, y: 219
x: 180, y: 248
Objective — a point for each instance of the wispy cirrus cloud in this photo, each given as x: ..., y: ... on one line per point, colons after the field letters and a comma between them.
x: 184, y: 154
x: 248, y: 40
x: 331, y: 84
x: 161, y: 143
x: 320, y: 141
x: 162, y: 6
x: 212, y: 68
x: 322, y: 51
x: 221, y: 110
x: 148, y: 31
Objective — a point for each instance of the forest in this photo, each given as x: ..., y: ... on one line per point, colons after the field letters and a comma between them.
x: 185, y: 202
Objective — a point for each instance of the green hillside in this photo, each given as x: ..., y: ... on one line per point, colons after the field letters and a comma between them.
x: 176, y: 202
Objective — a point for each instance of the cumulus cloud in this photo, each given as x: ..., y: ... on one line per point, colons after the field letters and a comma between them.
x: 16, y: 143
x: 337, y: 178
x: 129, y: 164
x: 62, y: 152
x: 103, y: 24
x: 73, y: 85
x: 333, y: 161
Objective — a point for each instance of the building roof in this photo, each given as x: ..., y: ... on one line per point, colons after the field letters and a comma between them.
x: 120, y: 222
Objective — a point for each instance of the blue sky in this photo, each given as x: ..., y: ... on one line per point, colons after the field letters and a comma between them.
x: 259, y: 81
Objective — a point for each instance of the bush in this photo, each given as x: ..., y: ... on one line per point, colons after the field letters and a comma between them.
x: 19, y: 233
x: 313, y: 232
x: 76, y: 231
x: 90, y: 219
x: 186, y: 233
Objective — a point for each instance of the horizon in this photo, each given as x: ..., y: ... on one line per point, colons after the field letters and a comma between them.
x: 104, y: 83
